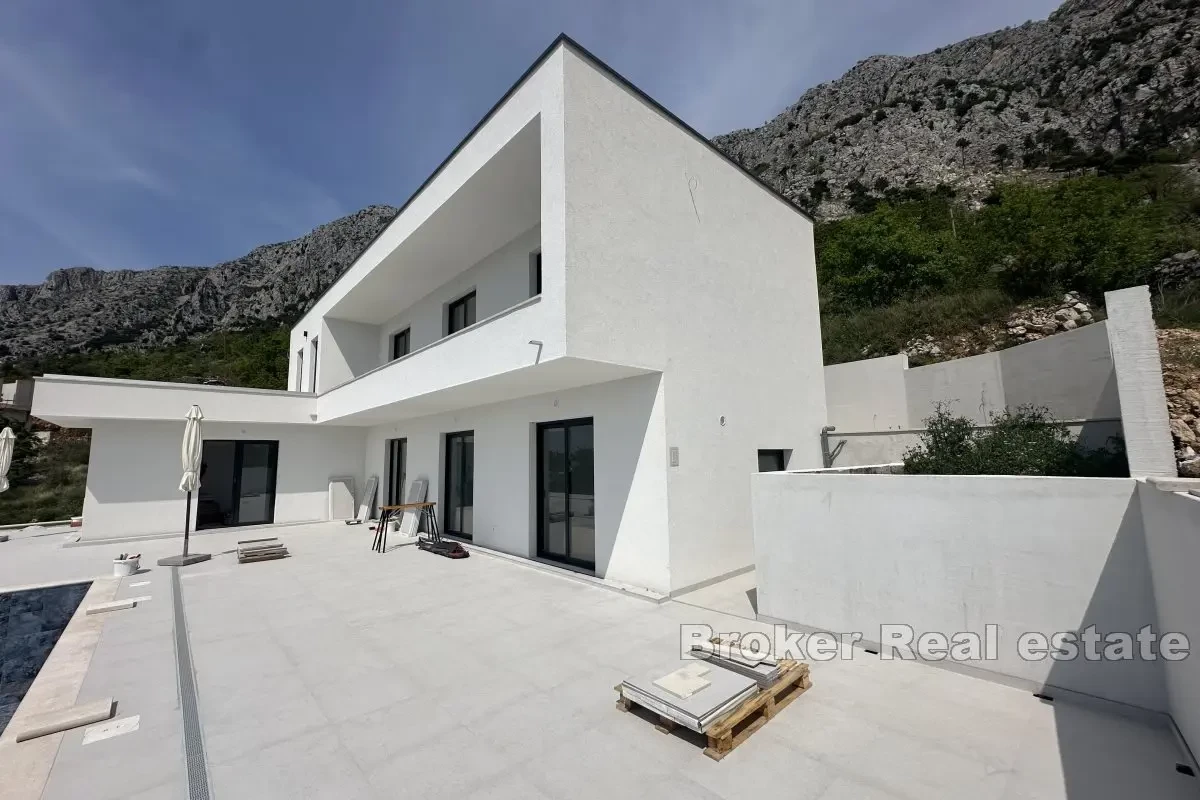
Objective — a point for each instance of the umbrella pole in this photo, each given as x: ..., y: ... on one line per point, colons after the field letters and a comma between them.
x: 187, y: 523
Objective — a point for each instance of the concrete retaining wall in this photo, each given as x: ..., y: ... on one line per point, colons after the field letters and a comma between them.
x: 1071, y: 374
x: 852, y: 552
x: 1173, y: 536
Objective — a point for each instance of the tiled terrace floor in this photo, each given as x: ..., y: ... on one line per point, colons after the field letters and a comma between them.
x: 340, y: 673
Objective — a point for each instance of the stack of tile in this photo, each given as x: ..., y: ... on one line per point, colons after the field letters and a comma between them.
x: 765, y: 671
x: 694, y: 696
x: 268, y: 549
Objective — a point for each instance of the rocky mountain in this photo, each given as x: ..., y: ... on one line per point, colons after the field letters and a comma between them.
x: 81, y: 308
x: 1100, y: 80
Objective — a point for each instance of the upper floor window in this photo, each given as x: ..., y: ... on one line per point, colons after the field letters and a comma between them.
x: 300, y: 370
x: 460, y: 314
x: 401, y: 344
x: 312, y: 383
x: 535, y: 273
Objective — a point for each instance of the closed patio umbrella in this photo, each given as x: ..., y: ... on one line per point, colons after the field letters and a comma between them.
x: 7, y: 441
x: 193, y: 445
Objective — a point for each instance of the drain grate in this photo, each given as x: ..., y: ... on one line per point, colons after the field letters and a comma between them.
x: 193, y: 741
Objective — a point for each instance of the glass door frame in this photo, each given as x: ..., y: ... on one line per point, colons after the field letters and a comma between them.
x: 238, y: 459
x: 447, y: 528
x: 394, y: 495
x: 541, y: 497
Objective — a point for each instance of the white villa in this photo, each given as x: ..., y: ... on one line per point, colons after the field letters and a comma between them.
x: 586, y: 330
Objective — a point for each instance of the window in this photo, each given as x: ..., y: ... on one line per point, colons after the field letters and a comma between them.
x: 400, y: 344
x: 459, y: 485
x: 396, y: 451
x: 772, y: 460
x: 312, y: 382
x: 460, y: 314
x: 300, y: 370
x: 535, y: 273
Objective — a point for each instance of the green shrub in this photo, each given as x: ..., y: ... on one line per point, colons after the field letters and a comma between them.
x: 1024, y: 441
x: 54, y: 477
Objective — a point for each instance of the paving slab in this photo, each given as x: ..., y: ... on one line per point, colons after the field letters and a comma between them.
x: 342, y: 673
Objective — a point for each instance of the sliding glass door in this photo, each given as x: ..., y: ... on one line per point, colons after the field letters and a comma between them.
x: 566, y: 492
x: 459, y: 488
x: 237, y: 483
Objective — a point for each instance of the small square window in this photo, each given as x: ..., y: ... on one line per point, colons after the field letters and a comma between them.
x: 401, y: 344
x: 772, y: 460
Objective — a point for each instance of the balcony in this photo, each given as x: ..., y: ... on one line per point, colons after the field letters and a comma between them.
x: 516, y: 353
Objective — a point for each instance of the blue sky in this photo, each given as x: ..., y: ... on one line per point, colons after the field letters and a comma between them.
x: 135, y: 133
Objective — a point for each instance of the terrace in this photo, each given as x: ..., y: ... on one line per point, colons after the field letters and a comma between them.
x: 343, y: 673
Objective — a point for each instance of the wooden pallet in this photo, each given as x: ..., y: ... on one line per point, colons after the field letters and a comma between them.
x: 736, y: 727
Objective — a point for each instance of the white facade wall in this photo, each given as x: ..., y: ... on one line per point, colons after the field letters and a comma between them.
x: 849, y: 553
x: 348, y: 349
x: 499, y: 281
x: 630, y: 473
x: 1173, y: 537
x: 541, y: 97
x: 74, y: 401
x: 676, y: 261
x: 134, y: 471
x: 499, y: 347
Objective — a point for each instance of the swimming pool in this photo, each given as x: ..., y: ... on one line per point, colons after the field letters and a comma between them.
x: 31, y: 621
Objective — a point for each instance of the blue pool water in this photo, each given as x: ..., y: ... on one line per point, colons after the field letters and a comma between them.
x: 30, y: 623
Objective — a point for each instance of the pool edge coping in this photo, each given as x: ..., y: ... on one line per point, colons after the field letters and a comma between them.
x: 27, y: 765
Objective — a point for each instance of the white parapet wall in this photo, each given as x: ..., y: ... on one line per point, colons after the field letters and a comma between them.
x: 1173, y: 537
x: 1140, y: 383
x: 849, y: 553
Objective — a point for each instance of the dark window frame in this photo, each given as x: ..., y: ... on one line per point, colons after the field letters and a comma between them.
x: 469, y: 305
x: 239, y: 454
x: 781, y: 455
x: 407, y: 334
x: 396, y: 455
x: 535, y: 273
x: 312, y: 382
x: 447, y: 440
x: 540, y: 489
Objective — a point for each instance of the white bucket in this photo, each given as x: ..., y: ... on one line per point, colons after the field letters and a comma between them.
x: 124, y: 567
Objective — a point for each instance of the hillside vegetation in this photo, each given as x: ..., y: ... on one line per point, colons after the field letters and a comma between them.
x: 925, y: 263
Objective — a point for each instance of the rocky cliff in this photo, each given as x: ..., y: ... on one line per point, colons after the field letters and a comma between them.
x: 1100, y: 80
x: 84, y: 309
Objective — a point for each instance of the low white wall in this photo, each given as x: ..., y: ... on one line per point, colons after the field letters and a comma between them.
x: 1173, y: 538
x: 629, y: 468
x: 849, y: 553
x: 134, y: 471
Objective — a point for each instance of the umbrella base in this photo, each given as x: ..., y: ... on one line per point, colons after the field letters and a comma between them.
x: 183, y: 561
